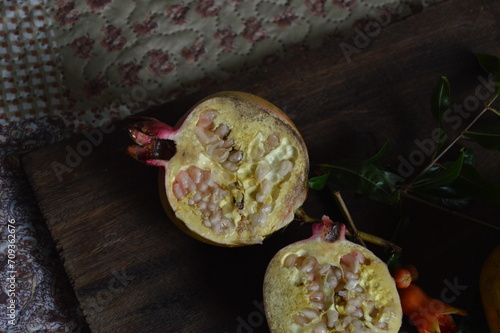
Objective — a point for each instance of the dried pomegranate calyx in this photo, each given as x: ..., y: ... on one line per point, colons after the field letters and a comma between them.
x: 239, y: 171
x: 321, y: 286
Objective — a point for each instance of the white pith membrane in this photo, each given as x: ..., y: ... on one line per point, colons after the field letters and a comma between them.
x: 315, y: 286
x: 233, y: 164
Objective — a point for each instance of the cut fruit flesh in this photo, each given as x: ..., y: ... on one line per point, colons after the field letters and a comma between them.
x: 239, y: 172
x: 318, y: 286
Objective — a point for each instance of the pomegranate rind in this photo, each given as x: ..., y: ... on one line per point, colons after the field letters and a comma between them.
x: 249, y: 117
x: 284, y: 294
x: 489, y: 287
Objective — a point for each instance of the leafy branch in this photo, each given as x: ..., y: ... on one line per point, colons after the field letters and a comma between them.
x: 445, y: 185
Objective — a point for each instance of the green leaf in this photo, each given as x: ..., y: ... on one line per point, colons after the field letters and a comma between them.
x: 319, y: 182
x: 446, y: 196
x: 394, y: 261
x: 440, y: 140
x: 496, y: 81
x: 440, y: 100
x: 471, y: 181
x: 469, y: 157
x: 403, y: 224
x: 378, y: 156
x: 364, y: 178
x: 436, y: 176
x: 440, y: 103
x: 468, y: 185
x: 489, y: 63
x: 487, y: 137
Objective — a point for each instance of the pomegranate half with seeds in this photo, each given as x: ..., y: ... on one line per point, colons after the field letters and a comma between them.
x: 329, y: 284
x: 237, y: 170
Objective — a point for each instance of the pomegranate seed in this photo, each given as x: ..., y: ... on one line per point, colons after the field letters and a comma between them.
x: 235, y: 156
x: 298, y: 261
x: 222, y: 130
x: 351, y: 284
x: 310, y: 313
x: 313, y: 286
x: 195, y: 173
x: 318, y: 305
x: 316, y: 296
x: 266, y: 208
x: 266, y: 186
x: 179, y: 191
x: 206, y: 118
x: 273, y: 141
x: 228, y: 143
x: 261, y: 172
x: 332, y: 316
x: 215, y: 218
x: 357, y: 313
x: 301, y: 320
x: 308, y: 265
x: 186, y: 181
x: 285, y: 168
x: 320, y: 328
x: 228, y: 165
x: 211, y: 148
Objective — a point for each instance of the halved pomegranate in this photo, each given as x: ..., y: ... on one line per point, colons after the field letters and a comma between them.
x: 239, y: 170
x: 329, y: 284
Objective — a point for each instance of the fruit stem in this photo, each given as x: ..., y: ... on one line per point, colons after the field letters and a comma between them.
x: 302, y: 216
x: 347, y: 216
x: 377, y: 241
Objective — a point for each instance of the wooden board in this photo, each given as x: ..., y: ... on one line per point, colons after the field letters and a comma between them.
x: 133, y: 271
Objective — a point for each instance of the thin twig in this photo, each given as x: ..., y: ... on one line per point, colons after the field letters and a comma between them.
x: 449, y: 211
x: 302, y: 216
x: 348, y: 217
x: 451, y: 144
x: 493, y: 110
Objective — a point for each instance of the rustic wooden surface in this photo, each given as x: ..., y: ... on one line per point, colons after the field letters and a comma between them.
x: 133, y: 271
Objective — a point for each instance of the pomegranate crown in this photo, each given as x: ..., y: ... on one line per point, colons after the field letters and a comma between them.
x: 328, y: 230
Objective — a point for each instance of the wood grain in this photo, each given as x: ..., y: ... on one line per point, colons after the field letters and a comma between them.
x: 133, y: 271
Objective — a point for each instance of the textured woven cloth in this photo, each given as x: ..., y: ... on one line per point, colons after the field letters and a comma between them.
x: 70, y: 65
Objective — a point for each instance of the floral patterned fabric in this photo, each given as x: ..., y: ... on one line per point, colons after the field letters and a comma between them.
x: 44, y: 299
x: 70, y: 65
